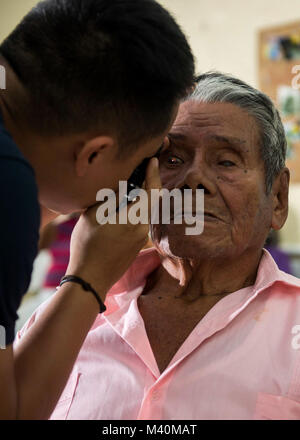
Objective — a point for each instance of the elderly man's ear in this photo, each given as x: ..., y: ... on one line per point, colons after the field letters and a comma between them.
x: 280, y: 194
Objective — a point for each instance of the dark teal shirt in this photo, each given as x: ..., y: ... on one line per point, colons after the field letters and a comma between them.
x: 19, y: 229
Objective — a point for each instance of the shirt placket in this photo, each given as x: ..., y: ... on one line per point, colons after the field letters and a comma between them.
x: 131, y: 328
x: 154, y: 401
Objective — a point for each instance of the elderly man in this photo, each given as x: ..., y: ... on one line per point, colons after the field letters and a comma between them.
x: 206, y: 326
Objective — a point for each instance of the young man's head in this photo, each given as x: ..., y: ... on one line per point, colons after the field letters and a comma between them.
x: 92, y: 88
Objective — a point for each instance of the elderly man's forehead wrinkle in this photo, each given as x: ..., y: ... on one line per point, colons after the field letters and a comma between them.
x: 229, y: 139
x: 204, y: 118
x: 196, y: 120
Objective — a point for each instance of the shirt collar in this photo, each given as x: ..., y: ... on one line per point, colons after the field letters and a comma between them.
x: 269, y: 273
x: 148, y: 260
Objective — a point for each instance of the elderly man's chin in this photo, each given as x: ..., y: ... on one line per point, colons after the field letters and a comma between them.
x: 172, y: 240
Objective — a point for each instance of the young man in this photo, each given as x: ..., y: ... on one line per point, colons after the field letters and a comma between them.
x: 92, y: 88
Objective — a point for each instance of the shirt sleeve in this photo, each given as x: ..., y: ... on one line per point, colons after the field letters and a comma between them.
x: 19, y: 232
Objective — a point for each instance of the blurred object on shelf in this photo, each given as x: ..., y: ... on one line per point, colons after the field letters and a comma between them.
x: 279, y: 78
x: 283, y: 47
x: 288, y: 101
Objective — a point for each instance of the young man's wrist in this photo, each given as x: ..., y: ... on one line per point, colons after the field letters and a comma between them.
x: 87, y: 287
x: 96, y: 281
x: 85, y: 298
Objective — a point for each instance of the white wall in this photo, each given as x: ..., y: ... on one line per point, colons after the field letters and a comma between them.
x: 223, y: 33
x: 11, y: 12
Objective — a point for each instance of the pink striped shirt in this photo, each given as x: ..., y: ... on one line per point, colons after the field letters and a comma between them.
x: 241, y: 361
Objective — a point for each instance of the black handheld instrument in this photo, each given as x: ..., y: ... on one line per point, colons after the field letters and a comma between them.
x: 137, y: 178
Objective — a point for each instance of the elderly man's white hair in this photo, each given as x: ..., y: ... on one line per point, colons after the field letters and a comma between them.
x: 213, y: 87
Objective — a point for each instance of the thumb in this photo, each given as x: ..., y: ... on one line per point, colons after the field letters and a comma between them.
x: 152, y: 175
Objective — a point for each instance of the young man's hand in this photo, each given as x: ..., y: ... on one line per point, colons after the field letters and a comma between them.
x: 100, y: 254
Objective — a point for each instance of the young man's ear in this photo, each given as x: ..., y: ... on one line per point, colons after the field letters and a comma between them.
x: 280, y: 191
x: 91, y: 151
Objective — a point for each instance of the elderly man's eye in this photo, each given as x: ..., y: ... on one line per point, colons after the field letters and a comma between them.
x: 172, y: 160
x: 226, y: 163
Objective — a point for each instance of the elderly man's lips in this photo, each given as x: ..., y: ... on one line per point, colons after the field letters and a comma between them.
x: 207, y: 216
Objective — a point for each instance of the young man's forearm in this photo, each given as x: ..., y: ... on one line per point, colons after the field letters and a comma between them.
x: 45, y: 356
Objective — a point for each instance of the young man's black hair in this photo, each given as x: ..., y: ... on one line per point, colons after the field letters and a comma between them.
x: 112, y: 64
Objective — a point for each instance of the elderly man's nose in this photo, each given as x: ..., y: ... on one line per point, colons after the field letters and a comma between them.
x: 197, y: 179
x: 199, y: 186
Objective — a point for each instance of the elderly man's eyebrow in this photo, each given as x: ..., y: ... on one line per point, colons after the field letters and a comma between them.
x: 227, y: 139
x: 177, y: 136
x: 231, y: 140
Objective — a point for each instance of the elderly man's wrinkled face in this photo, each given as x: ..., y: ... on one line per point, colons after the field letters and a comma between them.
x: 216, y: 147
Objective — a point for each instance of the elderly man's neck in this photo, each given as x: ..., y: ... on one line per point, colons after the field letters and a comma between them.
x: 192, y: 279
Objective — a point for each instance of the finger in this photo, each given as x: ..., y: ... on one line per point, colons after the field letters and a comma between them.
x: 152, y: 175
x: 153, y: 182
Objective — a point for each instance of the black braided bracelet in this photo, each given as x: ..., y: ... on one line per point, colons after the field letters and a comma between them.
x: 86, y: 286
